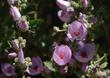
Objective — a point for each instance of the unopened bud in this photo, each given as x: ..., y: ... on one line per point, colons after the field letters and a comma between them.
x: 14, y: 11
x: 85, y: 3
x: 22, y: 45
x: 12, y: 55
x: 15, y: 44
x: 63, y: 4
x: 11, y: 2
x: 56, y: 28
x: 21, y: 56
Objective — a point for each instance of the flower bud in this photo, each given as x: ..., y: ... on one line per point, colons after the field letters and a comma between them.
x: 84, y: 67
x: 12, y: 55
x: 21, y: 56
x: 85, y: 3
x: 56, y: 28
x: 22, y: 45
x: 14, y: 12
x: 20, y: 39
x: 10, y: 2
x: 63, y: 4
x: 82, y: 18
x: 22, y: 42
x: 15, y: 44
x: 65, y: 15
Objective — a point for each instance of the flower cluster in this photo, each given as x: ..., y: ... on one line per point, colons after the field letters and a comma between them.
x: 66, y: 11
x: 72, y: 52
x: 76, y: 32
x: 22, y: 23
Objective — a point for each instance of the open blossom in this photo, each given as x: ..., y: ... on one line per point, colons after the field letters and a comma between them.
x: 85, y: 54
x: 21, y: 56
x: 77, y: 30
x: 15, y: 13
x: 62, y: 54
x: 8, y: 69
x: 23, y: 25
x: 36, y: 67
x: 65, y: 15
x: 15, y: 44
x: 63, y: 4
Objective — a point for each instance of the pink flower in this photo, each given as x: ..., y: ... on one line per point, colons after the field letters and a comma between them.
x: 8, y: 69
x: 77, y: 30
x: 85, y: 3
x: 65, y: 15
x: 12, y: 55
x: 63, y: 4
x: 23, y: 25
x: 84, y: 67
x: 14, y: 11
x: 80, y: 44
x: 85, y: 54
x: 36, y: 67
x: 15, y: 44
x: 82, y: 18
x: 21, y: 56
x: 62, y: 55
x: 10, y: 2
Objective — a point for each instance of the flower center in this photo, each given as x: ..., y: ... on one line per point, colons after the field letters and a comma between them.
x: 23, y: 23
x: 84, y: 54
x: 77, y: 33
x: 63, y: 13
x: 9, y: 69
x: 35, y: 67
x: 61, y: 55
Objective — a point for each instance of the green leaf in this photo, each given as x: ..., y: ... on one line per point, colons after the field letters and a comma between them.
x: 49, y: 65
x: 75, y: 4
x: 103, y: 65
x: 101, y: 59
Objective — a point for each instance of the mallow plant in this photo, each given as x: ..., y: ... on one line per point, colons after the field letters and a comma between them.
x: 54, y: 39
